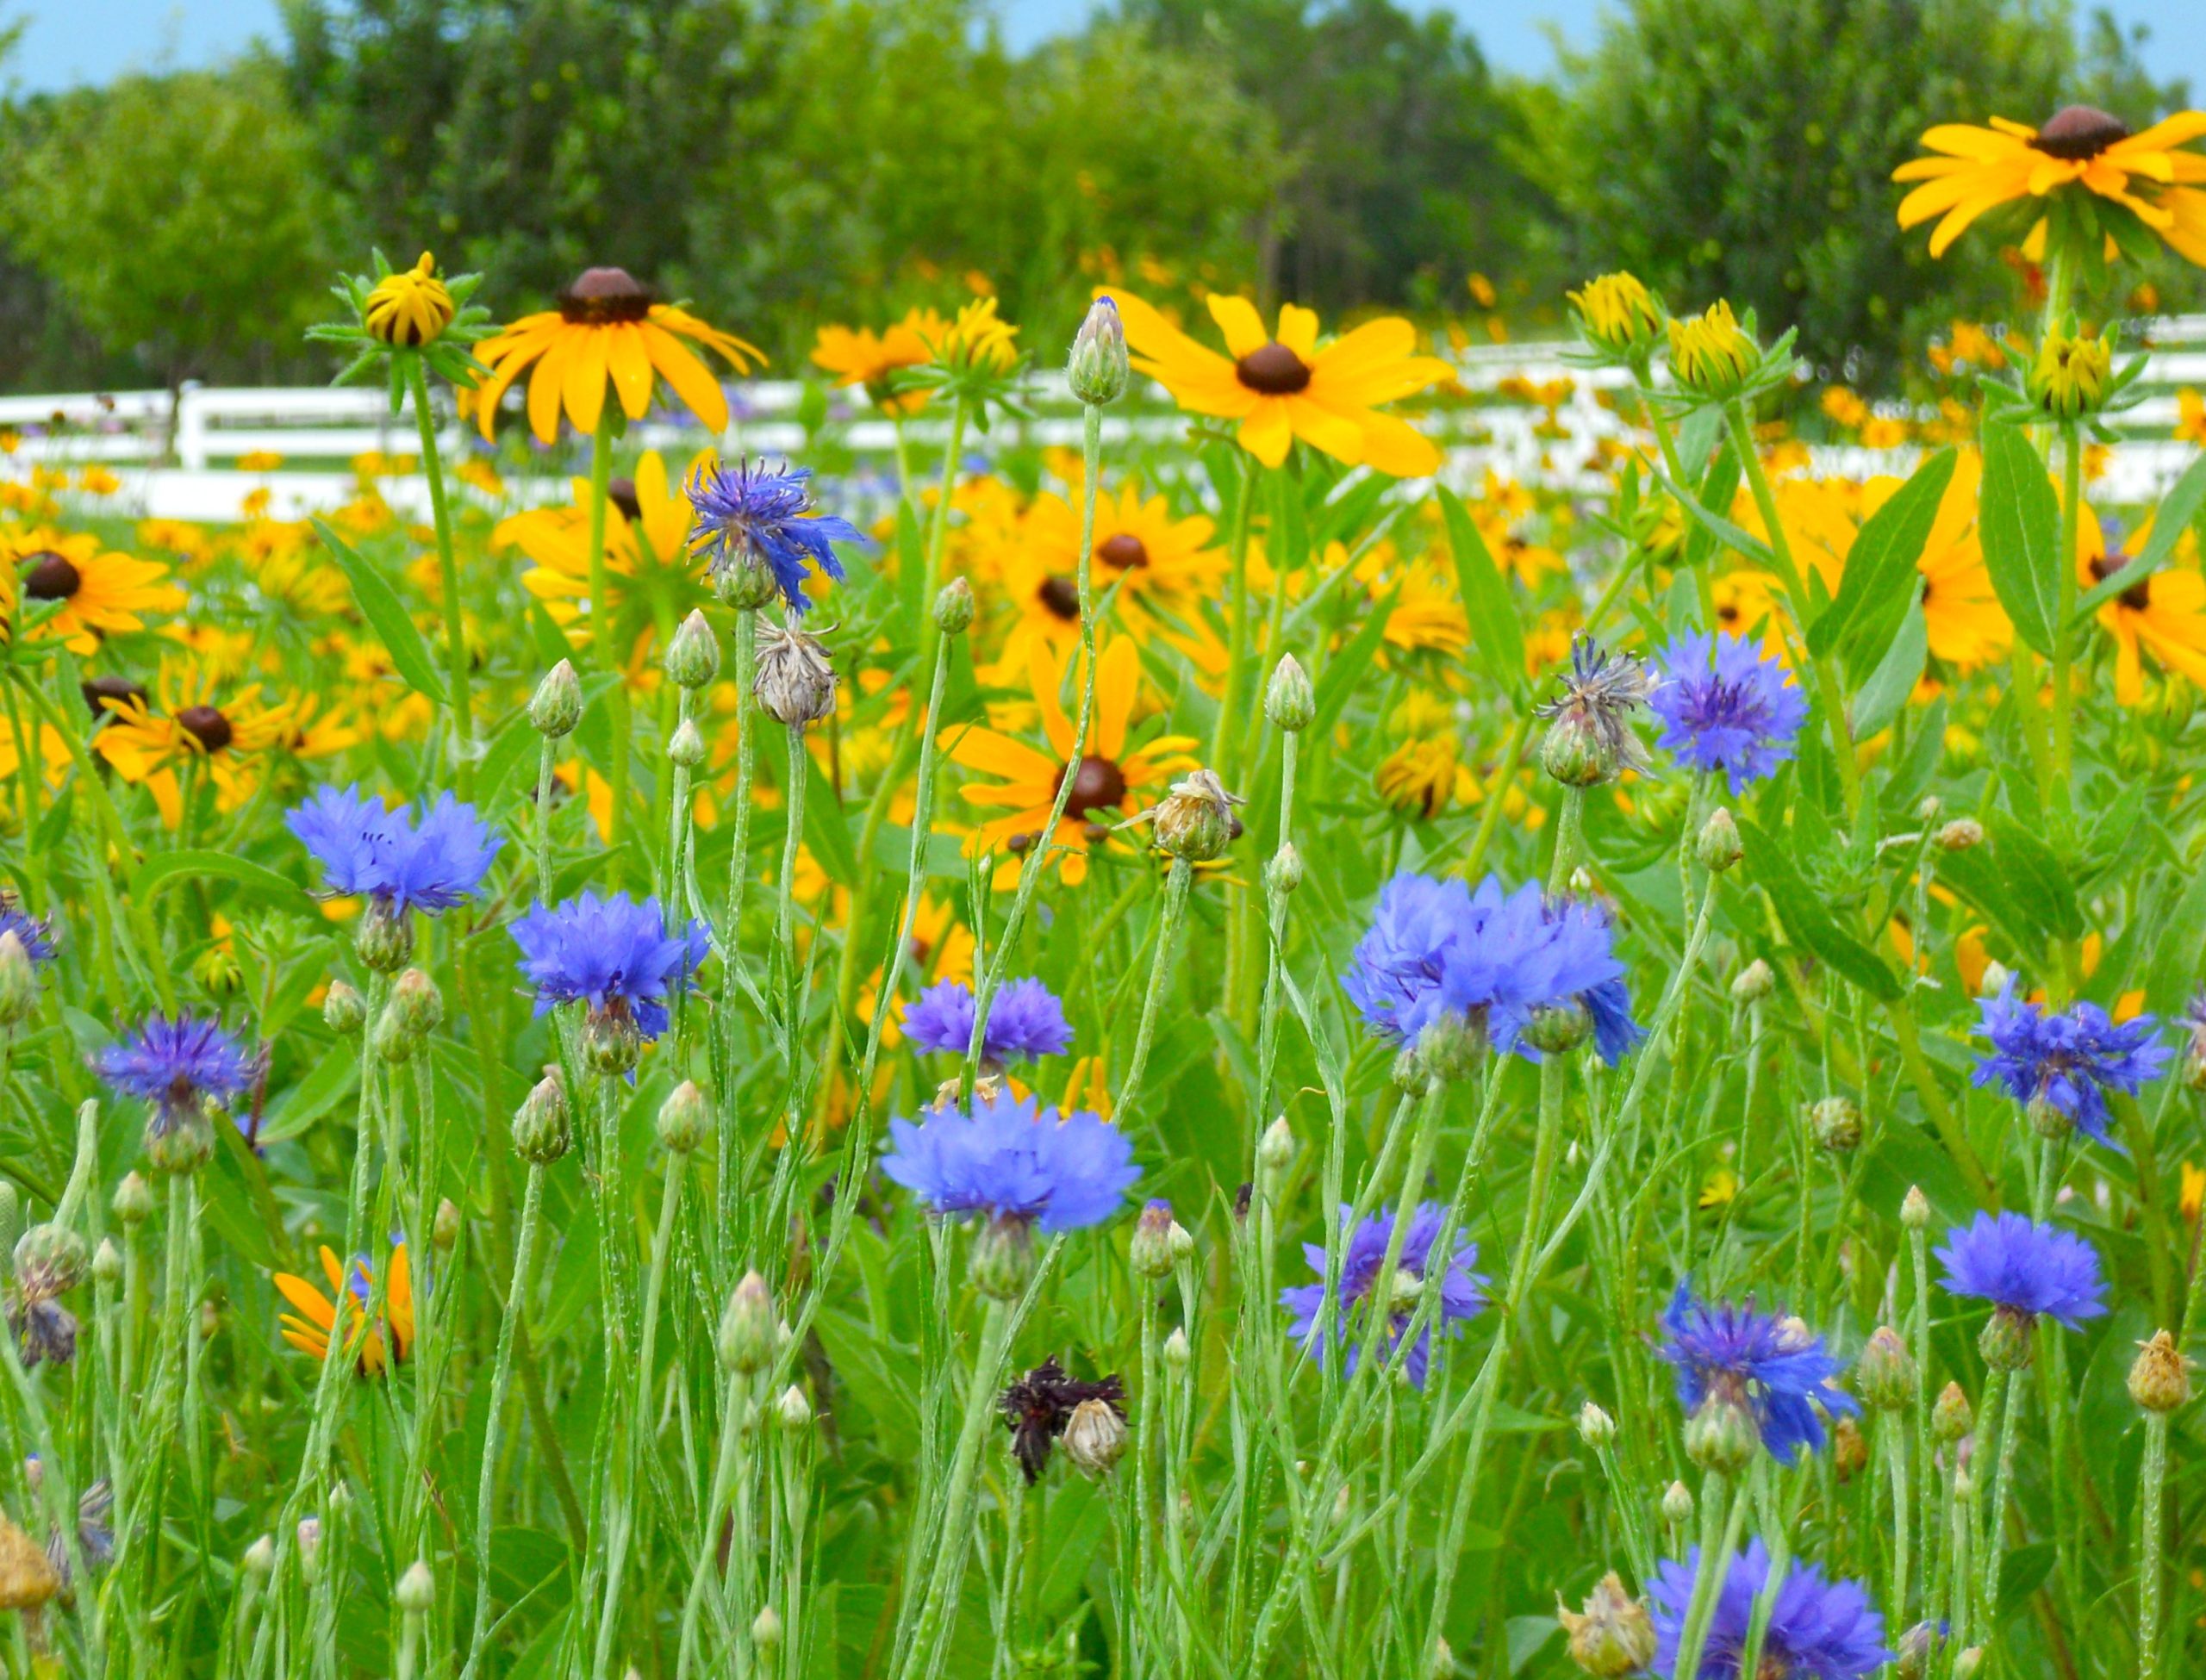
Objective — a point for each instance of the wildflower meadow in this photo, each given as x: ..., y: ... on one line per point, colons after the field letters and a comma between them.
x: 1213, y: 1050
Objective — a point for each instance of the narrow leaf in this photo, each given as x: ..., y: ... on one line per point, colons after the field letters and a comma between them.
x: 1879, y: 578
x: 2018, y: 521
x: 387, y: 617
x: 1497, y: 633
x: 2176, y: 510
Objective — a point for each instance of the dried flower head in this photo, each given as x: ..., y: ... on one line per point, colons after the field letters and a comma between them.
x: 1039, y: 1408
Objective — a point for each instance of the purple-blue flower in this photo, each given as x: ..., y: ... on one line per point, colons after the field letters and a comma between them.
x: 1025, y: 1019
x: 1773, y: 1365
x: 1819, y: 1629
x: 1725, y: 707
x: 1495, y: 958
x: 35, y: 934
x: 752, y: 511
x: 2068, y: 1061
x: 1009, y: 1158
x: 431, y: 857
x: 1462, y: 1291
x: 614, y: 954
x: 177, y: 1063
x: 2024, y: 1268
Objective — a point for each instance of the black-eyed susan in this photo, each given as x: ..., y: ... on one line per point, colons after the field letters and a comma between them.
x: 1283, y: 386
x: 406, y: 321
x: 1111, y: 780
x: 860, y: 356
x: 101, y: 592
x: 1423, y: 776
x: 1157, y: 571
x: 147, y: 740
x: 1620, y: 318
x: 607, y: 330
x: 310, y: 1326
x: 1976, y: 170
x: 2164, y: 615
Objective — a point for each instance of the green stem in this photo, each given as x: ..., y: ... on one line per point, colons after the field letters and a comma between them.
x: 501, y: 1371
x: 456, y: 659
x: 2071, y: 512
x: 955, y: 1533
x: 1176, y: 886
x: 2151, y: 1499
x: 1237, y: 618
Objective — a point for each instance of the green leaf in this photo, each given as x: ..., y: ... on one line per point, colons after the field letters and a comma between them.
x: 1497, y: 633
x: 1807, y: 919
x: 2174, y: 975
x: 2035, y: 877
x: 2018, y: 521
x: 387, y: 616
x: 2175, y: 512
x: 1878, y: 583
x: 1344, y: 672
x: 2023, y: 1570
x: 178, y: 866
x: 332, y: 1080
x: 1896, y: 675
x: 1731, y: 536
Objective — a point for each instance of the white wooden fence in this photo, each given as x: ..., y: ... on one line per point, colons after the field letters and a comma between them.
x: 177, y: 457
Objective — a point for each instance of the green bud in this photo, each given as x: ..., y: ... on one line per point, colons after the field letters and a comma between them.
x: 385, y: 937
x: 745, y: 580
x: 1595, y: 1427
x: 134, y: 1201
x: 1149, y: 1250
x: 183, y: 1143
x: 1753, y: 982
x: 1177, y: 1354
x: 766, y: 1628
x: 1719, y: 846
x: 1884, y: 1374
x: 1289, y: 701
x: 1722, y: 1435
x: 685, y: 747
x: 1003, y: 1258
x: 953, y: 607
x: 446, y: 1228
x: 2159, y: 1380
x: 611, y: 1042
x: 693, y: 657
x: 1834, y: 1123
x: 1452, y: 1046
x: 2004, y: 1340
x: 1558, y: 1029
x: 684, y: 1118
x: 18, y: 981
x: 1098, y: 368
x: 543, y: 1129
x: 50, y: 1260
x: 1914, y: 1209
x: 557, y: 706
x: 793, y: 1409
x: 417, y: 1004
x: 1274, y: 1153
x: 747, y: 1338
x: 1950, y: 1416
x: 1576, y: 752
x: 1283, y: 873
x: 1677, y: 1505
x: 416, y: 1595
x: 344, y: 1011
x: 391, y: 1039
x: 2048, y: 1118
x: 1962, y: 834
x: 107, y: 1263
x: 259, y: 1558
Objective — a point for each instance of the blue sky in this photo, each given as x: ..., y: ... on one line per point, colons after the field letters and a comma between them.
x: 71, y: 41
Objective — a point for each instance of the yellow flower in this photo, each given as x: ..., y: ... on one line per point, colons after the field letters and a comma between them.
x: 2191, y: 417
x: 975, y: 340
x: 1110, y: 781
x: 2165, y: 613
x: 409, y: 308
x: 146, y: 746
x: 1718, y: 1189
x: 1286, y: 387
x: 1978, y: 169
x: 1157, y: 570
x: 1710, y: 354
x: 259, y: 460
x: 478, y: 474
x: 2191, y: 1198
x: 859, y: 356
x: 1617, y: 313
x: 605, y: 329
x: 316, y: 1321
x: 102, y: 592
x: 2072, y: 373
x: 1423, y: 776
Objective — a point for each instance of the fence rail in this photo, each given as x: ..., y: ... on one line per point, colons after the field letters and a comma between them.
x: 178, y: 455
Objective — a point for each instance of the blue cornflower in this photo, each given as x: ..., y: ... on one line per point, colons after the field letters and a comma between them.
x: 431, y: 858
x: 614, y: 954
x: 1773, y: 1366
x: 35, y: 933
x: 1025, y: 1019
x: 1493, y: 958
x: 752, y: 512
x: 2024, y: 1268
x: 177, y: 1064
x: 1012, y: 1159
x: 1725, y: 707
x: 1819, y: 1629
x: 1462, y: 1291
x: 2067, y: 1061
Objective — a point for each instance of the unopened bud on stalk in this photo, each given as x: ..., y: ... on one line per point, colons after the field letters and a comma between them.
x: 1284, y: 873
x: 1612, y: 1635
x: 685, y: 747
x: 2048, y: 1118
x: 1098, y: 368
x: 1003, y: 1258
x: 1558, y: 1029
x: 1834, y: 1123
x: 134, y: 1201
x: 1274, y: 1153
x: 344, y: 1011
x: 259, y: 1558
x: 446, y: 1228
x: 384, y: 938
x: 611, y: 1042
x: 1996, y: 978
x: 1884, y: 1374
x: 107, y: 1263
x: 1962, y: 834
x: 684, y: 1118
x: 1722, y: 1435
x: 392, y: 1042
x: 416, y: 1595
x: 793, y: 1409
x: 1595, y: 1427
x: 50, y: 1260
x: 1195, y: 820
x: 795, y: 684
x: 1094, y: 1437
x: 1967, y: 1662
x: 953, y: 607
x: 557, y: 706
x: 1914, y: 1209
x: 1719, y: 846
x: 1452, y: 1047
x: 416, y: 1003
x: 18, y: 980
x: 1444, y: 1660
x: 2160, y: 1381
x: 766, y: 1629
x: 1176, y: 1352
x: 1950, y: 1416
x: 1753, y: 982
x: 747, y: 1338
x: 1677, y: 1505
x: 692, y: 657
x: 1915, y: 1648
x: 1289, y: 701
x: 1149, y: 1252
x: 543, y: 1130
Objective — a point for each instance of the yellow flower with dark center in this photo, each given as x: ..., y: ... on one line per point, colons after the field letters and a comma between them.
x: 1619, y: 314
x: 606, y: 329
x: 2072, y: 374
x: 2165, y: 614
x: 101, y: 592
x: 1287, y: 386
x: 146, y: 745
x: 1710, y: 353
x: 310, y: 1328
x: 1977, y: 170
x: 409, y: 308
x: 859, y: 356
x: 1110, y: 783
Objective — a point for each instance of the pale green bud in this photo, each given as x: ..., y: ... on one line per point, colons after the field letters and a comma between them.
x: 557, y: 706
x: 1098, y: 368
x: 693, y: 657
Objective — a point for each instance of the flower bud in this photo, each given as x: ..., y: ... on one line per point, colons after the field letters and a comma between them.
x: 417, y: 1004
x: 543, y: 1129
x: 693, y: 657
x: 1712, y: 356
x: 2048, y: 1118
x: 793, y: 1409
x: 2074, y: 373
x: 2005, y: 1342
x: 1284, y: 873
x: 385, y: 936
x: 557, y: 706
x: 344, y: 1011
x: 685, y: 747
x: 107, y: 1263
x: 1914, y: 1209
x: 1950, y: 1416
x: 182, y: 1142
x: 1452, y: 1047
x: 1967, y: 1661
x: 1722, y: 1435
x: 1619, y: 316
x: 1195, y: 820
x: 1884, y: 1374
x: 390, y: 1040
x: 1677, y: 1505
x: 1612, y: 1635
x: 134, y: 1201
x: 2160, y: 1381
x: 796, y: 684
x: 1915, y: 1648
x: 1719, y: 846
x: 953, y: 607
x: 1003, y: 1258
x: 259, y: 1557
x: 446, y: 1228
x: 409, y: 308
x: 684, y: 1118
x: 50, y: 1260
x: 1181, y: 1244
x: 611, y: 1042
x: 1850, y: 1449
x: 1094, y: 1437
x: 745, y: 580
x: 1177, y: 1353
x: 1275, y: 1152
x: 1753, y: 982
x: 416, y: 1594
x: 1558, y: 1029
x: 1962, y: 834
x: 1098, y: 368
x: 1834, y: 1123
x: 1149, y: 1252
x: 1289, y: 701
x: 747, y: 1338
x: 1996, y: 978
x: 18, y: 981
x: 1577, y: 751
x: 1595, y: 1427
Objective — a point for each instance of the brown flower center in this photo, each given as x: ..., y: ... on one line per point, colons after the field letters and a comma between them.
x: 621, y: 493
x: 1272, y: 369
x: 1097, y: 785
x: 603, y: 295
x: 2139, y: 595
x: 50, y: 577
x: 1123, y: 550
x: 1061, y: 594
x: 100, y: 689
x: 205, y: 726
x: 2080, y: 132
